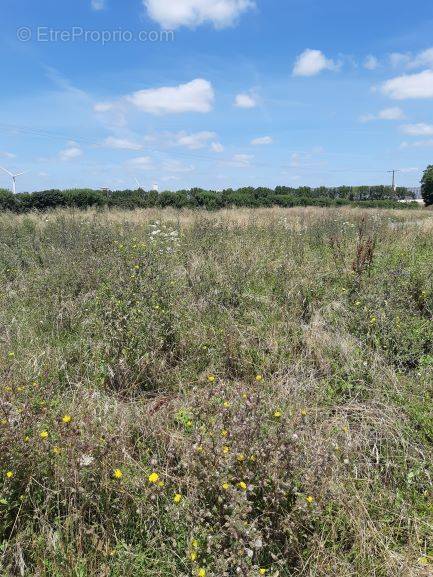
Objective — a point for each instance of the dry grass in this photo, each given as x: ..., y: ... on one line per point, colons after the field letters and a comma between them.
x: 270, y: 368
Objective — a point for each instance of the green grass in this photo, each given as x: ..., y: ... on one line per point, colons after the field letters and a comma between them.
x: 272, y: 367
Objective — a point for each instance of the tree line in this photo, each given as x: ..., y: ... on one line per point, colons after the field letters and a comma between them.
x: 367, y: 196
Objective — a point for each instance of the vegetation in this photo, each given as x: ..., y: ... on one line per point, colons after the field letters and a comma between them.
x: 363, y: 196
x: 200, y: 394
x: 427, y: 186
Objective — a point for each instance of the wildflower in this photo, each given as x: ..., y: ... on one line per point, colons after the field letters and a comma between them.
x: 373, y: 320
x: 310, y: 500
x: 194, y: 543
x: 245, y: 396
x: 259, y: 378
x: 241, y: 457
x: 226, y: 449
x: 9, y: 474
x: 224, y: 433
x: 242, y: 486
x: 358, y: 303
x: 201, y: 572
x: 153, y: 478
x: 44, y: 435
x: 57, y: 450
x: 67, y: 419
x: 161, y: 484
x: 117, y: 474
x: 253, y: 459
x: 26, y: 439
x: 423, y: 561
x: 193, y: 556
x: 226, y: 404
x: 11, y: 355
x: 199, y: 449
x: 278, y: 414
x: 211, y: 378
x: 177, y: 498
x: 304, y: 412
x: 262, y: 571
x: 226, y: 486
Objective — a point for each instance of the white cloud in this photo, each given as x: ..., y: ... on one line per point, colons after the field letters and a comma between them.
x: 418, y: 144
x: 312, y: 62
x: 177, y: 166
x: 121, y: 144
x: 245, y: 101
x: 103, y: 107
x: 194, y: 141
x: 397, y: 59
x: 410, y: 86
x: 420, y: 129
x: 141, y: 163
x: 241, y: 160
x: 195, y: 96
x: 371, y: 62
x: 171, y: 14
x: 262, y: 140
x: 7, y: 155
x: 72, y: 151
x: 217, y: 147
x: 393, y: 113
x: 422, y: 59
x: 98, y: 5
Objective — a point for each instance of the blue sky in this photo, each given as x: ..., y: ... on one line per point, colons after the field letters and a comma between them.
x: 215, y: 93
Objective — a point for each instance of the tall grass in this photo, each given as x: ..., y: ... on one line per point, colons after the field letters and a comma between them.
x: 239, y: 393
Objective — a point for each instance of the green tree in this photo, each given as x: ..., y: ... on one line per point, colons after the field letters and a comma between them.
x: 427, y: 185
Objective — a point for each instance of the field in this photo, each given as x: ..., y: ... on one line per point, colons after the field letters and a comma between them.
x: 237, y: 393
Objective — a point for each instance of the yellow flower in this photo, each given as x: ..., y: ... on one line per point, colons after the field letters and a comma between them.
x: 26, y: 439
x: 224, y: 433
x: 67, y: 419
x: 11, y: 355
x: 262, y: 571
x: 259, y: 378
x: 226, y: 449
x: 117, y: 474
x: 193, y: 556
x: 423, y: 561
x: 226, y: 486
x: 358, y: 303
x: 278, y: 414
x: 57, y: 450
x: 9, y: 474
x: 153, y: 478
x: 44, y: 435
x: 226, y: 404
x: 211, y: 378
x: 244, y: 396
x: 199, y: 449
x: 241, y: 457
x: 253, y: 458
x: 161, y: 484
x: 177, y: 498
x: 195, y: 543
x: 242, y: 486
x: 201, y: 572
x: 310, y: 499
x: 304, y: 412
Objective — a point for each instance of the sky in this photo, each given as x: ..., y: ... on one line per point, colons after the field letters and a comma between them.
x: 215, y: 93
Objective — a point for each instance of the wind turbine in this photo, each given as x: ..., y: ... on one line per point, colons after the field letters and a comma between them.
x: 14, y: 178
x: 138, y: 183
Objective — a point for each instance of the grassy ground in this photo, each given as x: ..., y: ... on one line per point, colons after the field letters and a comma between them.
x: 239, y: 393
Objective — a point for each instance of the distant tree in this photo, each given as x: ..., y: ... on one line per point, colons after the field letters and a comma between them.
x: 7, y: 200
x: 427, y: 185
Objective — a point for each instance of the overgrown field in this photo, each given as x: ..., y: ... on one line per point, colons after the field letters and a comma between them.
x: 240, y: 393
